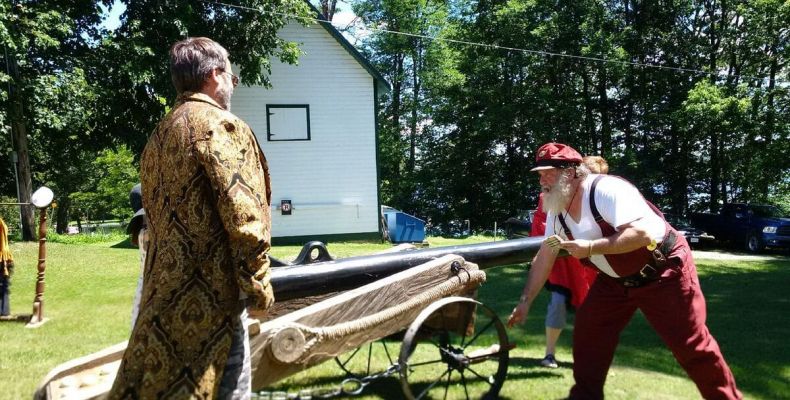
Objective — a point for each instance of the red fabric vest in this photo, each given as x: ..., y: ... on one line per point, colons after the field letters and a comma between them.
x: 568, y: 276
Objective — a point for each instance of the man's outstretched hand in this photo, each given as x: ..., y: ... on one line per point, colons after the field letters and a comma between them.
x: 579, y: 248
x: 519, y: 314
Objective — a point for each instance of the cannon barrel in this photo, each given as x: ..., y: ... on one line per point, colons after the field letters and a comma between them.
x: 303, y: 285
x: 298, y: 281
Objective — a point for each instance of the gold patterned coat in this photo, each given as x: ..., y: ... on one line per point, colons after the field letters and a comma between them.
x: 206, y: 194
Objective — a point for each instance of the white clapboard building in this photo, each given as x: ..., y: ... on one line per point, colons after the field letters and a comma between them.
x: 317, y: 127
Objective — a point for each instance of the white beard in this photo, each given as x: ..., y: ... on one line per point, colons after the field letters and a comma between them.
x: 557, y: 196
x: 224, y: 93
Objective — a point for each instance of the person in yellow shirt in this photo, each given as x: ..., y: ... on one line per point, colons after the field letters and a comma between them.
x: 7, y: 265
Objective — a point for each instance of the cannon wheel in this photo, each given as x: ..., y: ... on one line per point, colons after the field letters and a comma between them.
x: 449, y: 364
x: 372, y: 358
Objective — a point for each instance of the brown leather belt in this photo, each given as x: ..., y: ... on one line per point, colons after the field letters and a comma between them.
x: 652, y: 271
x: 647, y: 274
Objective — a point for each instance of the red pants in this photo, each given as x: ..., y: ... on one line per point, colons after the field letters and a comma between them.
x: 674, y: 306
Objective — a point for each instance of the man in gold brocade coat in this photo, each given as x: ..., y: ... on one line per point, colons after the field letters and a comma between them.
x: 206, y: 194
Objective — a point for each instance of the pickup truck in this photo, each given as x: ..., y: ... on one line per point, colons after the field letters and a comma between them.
x: 697, y: 238
x: 754, y: 226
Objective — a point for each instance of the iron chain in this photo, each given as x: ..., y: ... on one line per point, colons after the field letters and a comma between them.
x: 348, y: 387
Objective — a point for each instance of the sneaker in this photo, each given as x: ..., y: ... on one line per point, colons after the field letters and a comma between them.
x: 549, y: 361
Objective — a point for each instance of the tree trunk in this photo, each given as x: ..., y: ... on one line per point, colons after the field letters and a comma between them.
x: 328, y: 8
x: 677, y: 171
x: 628, y: 122
x: 769, y: 127
x: 62, y: 218
x: 415, y: 76
x: 715, y: 171
x: 715, y: 158
x: 395, y: 112
x: 19, y: 135
x: 589, y: 123
x: 396, y: 90
x: 603, y: 105
x: 770, y: 112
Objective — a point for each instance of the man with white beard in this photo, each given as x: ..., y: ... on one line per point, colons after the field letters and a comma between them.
x: 605, y: 222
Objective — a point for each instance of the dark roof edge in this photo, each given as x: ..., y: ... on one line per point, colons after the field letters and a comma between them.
x: 350, y: 49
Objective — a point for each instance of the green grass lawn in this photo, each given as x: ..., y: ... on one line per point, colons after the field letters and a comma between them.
x: 90, y: 287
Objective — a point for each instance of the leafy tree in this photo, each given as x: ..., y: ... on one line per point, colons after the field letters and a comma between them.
x: 709, y: 109
x: 409, y: 62
x: 693, y: 133
x: 66, y: 142
x: 106, y: 194
x: 132, y: 64
x: 41, y: 40
x: 74, y: 89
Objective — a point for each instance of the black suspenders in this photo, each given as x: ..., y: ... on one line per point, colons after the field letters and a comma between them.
x: 606, y: 228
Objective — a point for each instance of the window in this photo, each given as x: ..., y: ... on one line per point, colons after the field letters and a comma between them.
x: 285, y: 122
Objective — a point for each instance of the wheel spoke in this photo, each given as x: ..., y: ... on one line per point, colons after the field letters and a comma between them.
x: 488, y: 356
x: 447, y: 385
x: 420, y: 364
x: 387, y: 352
x: 350, y: 357
x: 437, y: 331
x: 370, y: 356
x: 426, y: 390
x: 477, y: 335
x: 484, y: 379
x: 463, y: 382
x: 438, y: 346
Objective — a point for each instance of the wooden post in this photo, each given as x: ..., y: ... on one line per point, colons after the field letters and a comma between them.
x: 37, y: 319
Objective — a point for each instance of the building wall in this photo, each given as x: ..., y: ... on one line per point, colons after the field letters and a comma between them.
x: 331, y: 178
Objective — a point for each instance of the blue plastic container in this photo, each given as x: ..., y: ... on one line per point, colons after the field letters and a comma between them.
x: 402, y: 227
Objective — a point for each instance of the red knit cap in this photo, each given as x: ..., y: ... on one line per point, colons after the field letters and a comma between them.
x: 556, y: 155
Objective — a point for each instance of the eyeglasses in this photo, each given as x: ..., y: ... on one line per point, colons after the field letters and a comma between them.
x: 233, y: 78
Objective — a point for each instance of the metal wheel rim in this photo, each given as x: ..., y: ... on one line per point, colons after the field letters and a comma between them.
x: 495, y: 381
x: 365, y: 353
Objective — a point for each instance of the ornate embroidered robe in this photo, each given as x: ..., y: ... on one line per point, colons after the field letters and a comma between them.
x: 206, y: 193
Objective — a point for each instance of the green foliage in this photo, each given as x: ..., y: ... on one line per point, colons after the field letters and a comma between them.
x: 413, y: 65
x: 10, y: 214
x: 50, y: 100
x: 88, y: 238
x: 83, y: 89
x: 459, y: 129
x: 110, y: 178
x: 714, y: 119
x: 690, y: 141
x: 132, y: 63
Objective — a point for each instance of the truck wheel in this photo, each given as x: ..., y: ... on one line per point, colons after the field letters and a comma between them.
x: 754, y: 243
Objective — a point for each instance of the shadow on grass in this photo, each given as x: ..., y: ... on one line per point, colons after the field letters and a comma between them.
x: 529, y: 362
x: 124, y: 244
x: 747, y: 307
x: 15, y: 318
x: 746, y: 304
x: 384, y: 388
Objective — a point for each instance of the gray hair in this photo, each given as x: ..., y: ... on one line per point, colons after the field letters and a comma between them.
x: 582, y: 171
x: 192, y: 60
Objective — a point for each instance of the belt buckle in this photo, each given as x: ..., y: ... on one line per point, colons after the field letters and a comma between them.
x: 647, y: 271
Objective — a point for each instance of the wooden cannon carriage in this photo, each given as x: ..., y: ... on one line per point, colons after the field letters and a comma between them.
x: 342, y: 309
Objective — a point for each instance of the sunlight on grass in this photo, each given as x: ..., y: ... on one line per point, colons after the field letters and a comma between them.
x: 89, y: 287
